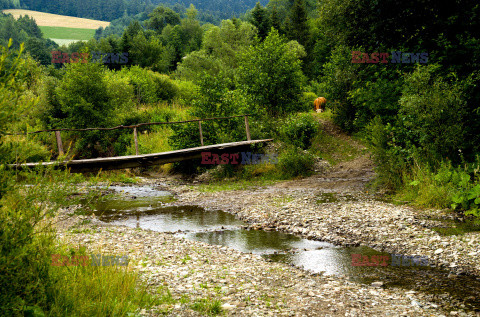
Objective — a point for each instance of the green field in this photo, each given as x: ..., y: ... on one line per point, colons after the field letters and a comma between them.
x: 54, y: 32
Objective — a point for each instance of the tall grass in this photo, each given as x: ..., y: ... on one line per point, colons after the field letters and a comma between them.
x: 98, y: 291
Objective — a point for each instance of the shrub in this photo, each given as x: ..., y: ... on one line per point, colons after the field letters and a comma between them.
x: 21, y: 149
x: 294, y: 162
x: 377, y: 95
x: 340, y: 74
x: 431, y: 115
x: 270, y: 74
x: 166, y: 89
x: 27, y: 239
x: 299, y: 129
x: 187, y: 92
x: 390, y: 158
x: 448, y: 187
x: 307, y: 100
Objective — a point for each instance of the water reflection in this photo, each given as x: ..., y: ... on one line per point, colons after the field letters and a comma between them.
x: 257, y: 241
x: 175, y: 218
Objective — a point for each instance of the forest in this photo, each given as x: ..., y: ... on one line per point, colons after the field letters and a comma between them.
x: 419, y: 112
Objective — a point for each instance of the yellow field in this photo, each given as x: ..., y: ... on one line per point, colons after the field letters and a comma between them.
x: 48, y: 19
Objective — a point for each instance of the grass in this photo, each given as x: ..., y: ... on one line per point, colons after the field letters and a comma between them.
x: 56, y: 32
x: 99, y: 291
x: 242, y: 184
x: 334, y: 149
x: 209, y: 307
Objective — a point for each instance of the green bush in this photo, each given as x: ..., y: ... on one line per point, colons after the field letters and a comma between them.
x: 307, y: 100
x: 391, y: 160
x: 27, y: 239
x: 299, y: 129
x: 340, y: 76
x: 187, y: 92
x: 166, y: 89
x: 293, y: 162
x: 143, y: 82
x: 377, y: 95
x: 431, y: 115
x: 449, y: 187
x: 22, y: 150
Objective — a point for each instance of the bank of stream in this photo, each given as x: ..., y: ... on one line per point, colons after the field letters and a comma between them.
x: 147, y: 208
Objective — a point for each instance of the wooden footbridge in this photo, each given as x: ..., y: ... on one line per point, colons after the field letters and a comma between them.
x: 141, y: 160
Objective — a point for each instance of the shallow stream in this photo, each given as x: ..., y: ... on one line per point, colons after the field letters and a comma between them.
x: 144, y: 207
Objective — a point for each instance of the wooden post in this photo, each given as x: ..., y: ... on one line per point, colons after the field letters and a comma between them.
x: 247, y: 128
x: 201, y: 133
x: 136, y: 140
x: 59, y: 143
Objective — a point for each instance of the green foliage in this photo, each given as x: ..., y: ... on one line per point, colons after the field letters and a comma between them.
x: 98, y: 291
x: 299, y: 129
x: 15, y: 104
x: 187, y: 92
x: 261, y: 20
x: 377, y: 95
x: 22, y: 149
x: 27, y: 236
x: 390, y: 158
x: 431, y: 114
x: 166, y: 88
x: 297, y: 26
x: 161, y: 17
x: 293, y: 162
x: 209, y: 307
x: 339, y: 75
x: 307, y: 100
x: 221, y: 51
x: 215, y: 100
x: 143, y: 82
x: 270, y: 74
x: 449, y: 187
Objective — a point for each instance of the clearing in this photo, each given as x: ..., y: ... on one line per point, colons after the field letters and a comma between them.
x: 48, y: 19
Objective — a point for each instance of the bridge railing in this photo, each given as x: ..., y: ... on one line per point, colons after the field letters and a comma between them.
x: 134, y: 127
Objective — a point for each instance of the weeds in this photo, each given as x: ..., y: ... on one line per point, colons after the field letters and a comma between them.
x: 210, y: 307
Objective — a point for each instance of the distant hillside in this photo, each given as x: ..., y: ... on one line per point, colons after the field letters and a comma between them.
x: 108, y: 10
x: 224, y: 8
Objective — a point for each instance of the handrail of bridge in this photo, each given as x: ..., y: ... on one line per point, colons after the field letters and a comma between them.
x: 134, y: 127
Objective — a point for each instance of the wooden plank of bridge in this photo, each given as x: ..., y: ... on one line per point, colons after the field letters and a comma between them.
x: 132, y: 161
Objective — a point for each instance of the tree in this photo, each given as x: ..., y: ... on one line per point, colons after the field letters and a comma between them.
x: 270, y: 74
x: 297, y: 28
x: 39, y: 51
x: 261, y: 20
x: 161, y: 17
x: 221, y: 50
x: 275, y: 19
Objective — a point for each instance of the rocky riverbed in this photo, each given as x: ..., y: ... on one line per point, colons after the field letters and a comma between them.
x: 333, y: 206
x: 245, y: 284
